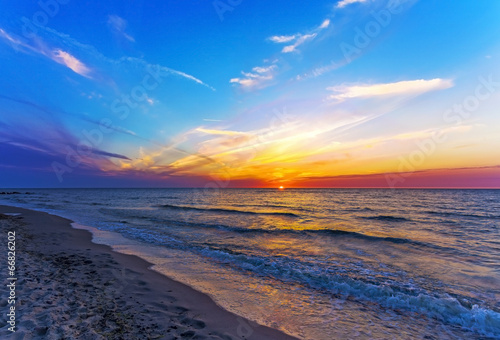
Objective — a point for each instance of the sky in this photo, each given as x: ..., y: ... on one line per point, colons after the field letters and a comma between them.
x: 239, y: 93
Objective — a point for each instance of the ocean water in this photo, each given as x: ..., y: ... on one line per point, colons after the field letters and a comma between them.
x: 315, y: 263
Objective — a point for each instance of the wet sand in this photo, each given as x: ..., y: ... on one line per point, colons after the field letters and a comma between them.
x: 69, y: 287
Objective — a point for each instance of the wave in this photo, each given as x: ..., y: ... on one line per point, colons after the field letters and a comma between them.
x: 458, y: 215
x: 97, y: 203
x: 372, y: 238
x: 330, y: 233
x: 456, y: 310
x: 357, y: 209
x: 275, y: 231
x: 266, y: 205
x: 228, y: 211
x: 125, y: 215
x: 387, y: 218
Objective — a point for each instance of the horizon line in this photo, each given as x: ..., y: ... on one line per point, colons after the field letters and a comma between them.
x: 270, y: 188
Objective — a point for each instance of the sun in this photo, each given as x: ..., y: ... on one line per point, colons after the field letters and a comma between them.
x: 282, y: 188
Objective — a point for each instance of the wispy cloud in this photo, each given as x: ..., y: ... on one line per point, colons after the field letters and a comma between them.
x: 279, y: 39
x: 261, y: 70
x: 260, y: 77
x: 408, y: 87
x: 9, y: 38
x: 109, y: 154
x: 118, y: 26
x: 298, y: 38
x: 51, y: 114
x: 212, y: 120
x: 50, y: 140
x: 57, y: 55
x: 325, y: 24
x: 64, y: 58
x: 298, y: 42
x: 343, y: 3
x: 319, y: 71
x: 129, y: 62
x: 188, y: 76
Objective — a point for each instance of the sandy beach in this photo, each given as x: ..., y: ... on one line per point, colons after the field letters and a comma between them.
x: 67, y: 287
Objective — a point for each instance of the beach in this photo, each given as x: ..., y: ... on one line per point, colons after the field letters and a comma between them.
x: 68, y: 287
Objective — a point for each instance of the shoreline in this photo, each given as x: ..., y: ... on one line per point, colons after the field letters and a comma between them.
x: 69, y: 286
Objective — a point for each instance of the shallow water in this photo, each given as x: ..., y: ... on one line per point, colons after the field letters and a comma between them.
x: 316, y: 263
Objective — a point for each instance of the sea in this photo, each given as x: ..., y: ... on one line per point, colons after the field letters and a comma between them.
x: 314, y: 263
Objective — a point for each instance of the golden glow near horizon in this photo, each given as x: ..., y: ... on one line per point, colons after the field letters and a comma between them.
x: 300, y: 149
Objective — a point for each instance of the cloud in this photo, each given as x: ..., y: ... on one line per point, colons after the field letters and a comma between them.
x: 279, y: 39
x: 298, y: 38
x: 302, y: 39
x: 57, y: 55
x: 49, y: 113
x: 46, y: 137
x: 258, y: 152
x: 464, y: 177
x: 162, y: 70
x: 220, y: 132
x: 261, y: 70
x: 259, y: 77
x: 50, y: 140
x: 408, y: 87
x: 10, y: 38
x: 118, y: 26
x: 325, y: 24
x: 37, y: 45
x: 319, y: 71
x: 344, y: 3
x: 225, y: 140
x: 109, y: 154
x: 64, y: 58
x: 188, y: 76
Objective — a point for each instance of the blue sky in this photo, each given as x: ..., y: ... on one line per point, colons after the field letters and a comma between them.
x: 249, y: 93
